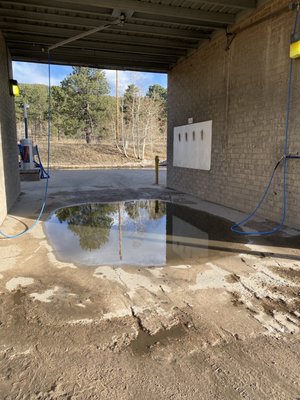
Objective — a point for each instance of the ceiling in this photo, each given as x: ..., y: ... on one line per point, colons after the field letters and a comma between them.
x: 156, y: 34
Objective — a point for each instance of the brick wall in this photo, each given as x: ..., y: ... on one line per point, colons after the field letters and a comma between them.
x: 244, y: 92
x: 9, y: 172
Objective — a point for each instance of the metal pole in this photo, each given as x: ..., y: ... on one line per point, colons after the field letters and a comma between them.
x: 84, y: 34
x: 156, y: 170
x: 120, y: 233
x: 117, y: 107
x: 25, y: 108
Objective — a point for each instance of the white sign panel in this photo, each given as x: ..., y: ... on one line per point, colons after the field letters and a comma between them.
x: 192, y: 146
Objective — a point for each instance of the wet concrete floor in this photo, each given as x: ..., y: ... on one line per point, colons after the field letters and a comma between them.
x: 224, y: 326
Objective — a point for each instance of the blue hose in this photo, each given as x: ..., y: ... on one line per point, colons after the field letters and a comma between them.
x: 44, y: 173
x: 277, y: 228
x: 48, y: 164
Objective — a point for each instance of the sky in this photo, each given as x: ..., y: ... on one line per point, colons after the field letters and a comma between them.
x: 38, y: 73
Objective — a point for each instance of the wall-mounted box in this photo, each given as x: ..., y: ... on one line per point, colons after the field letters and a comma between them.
x: 192, y: 146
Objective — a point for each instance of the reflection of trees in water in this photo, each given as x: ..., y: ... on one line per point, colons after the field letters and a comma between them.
x: 156, y: 209
x: 136, y: 211
x: 91, y: 222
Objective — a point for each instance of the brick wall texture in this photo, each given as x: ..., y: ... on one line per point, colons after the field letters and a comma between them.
x: 244, y: 91
x: 9, y: 171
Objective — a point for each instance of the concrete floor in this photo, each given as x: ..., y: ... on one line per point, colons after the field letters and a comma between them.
x: 222, y: 329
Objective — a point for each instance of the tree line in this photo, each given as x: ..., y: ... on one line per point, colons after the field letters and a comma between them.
x: 81, y: 107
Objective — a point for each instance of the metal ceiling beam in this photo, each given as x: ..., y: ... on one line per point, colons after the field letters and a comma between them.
x: 88, y: 22
x: 106, y: 37
x: 95, y: 62
x: 46, y: 41
x: 163, y: 32
x: 240, y: 4
x: 105, y: 13
x: 141, y: 17
x: 159, y: 9
x: 152, y: 39
x: 52, y: 17
x: 114, y: 56
x: 99, y: 55
x: 57, y: 5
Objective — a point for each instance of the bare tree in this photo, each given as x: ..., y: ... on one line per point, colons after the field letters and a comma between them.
x: 142, y: 122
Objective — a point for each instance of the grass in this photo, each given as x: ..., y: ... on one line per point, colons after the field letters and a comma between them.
x: 77, y: 154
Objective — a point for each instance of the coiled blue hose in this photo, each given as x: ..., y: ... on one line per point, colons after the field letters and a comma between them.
x: 277, y: 228
x: 48, y: 164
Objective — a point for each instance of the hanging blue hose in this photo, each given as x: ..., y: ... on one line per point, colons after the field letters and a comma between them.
x: 48, y: 164
x: 44, y: 173
x: 277, y: 228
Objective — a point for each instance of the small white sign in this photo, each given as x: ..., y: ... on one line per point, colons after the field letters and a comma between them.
x: 192, y: 146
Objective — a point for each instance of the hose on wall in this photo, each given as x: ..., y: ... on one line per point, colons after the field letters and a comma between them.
x: 285, y: 157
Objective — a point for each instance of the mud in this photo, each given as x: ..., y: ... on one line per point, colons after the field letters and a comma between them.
x: 144, y: 341
x: 292, y: 274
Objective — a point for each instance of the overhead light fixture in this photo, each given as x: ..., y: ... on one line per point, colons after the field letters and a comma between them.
x: 14, y: 88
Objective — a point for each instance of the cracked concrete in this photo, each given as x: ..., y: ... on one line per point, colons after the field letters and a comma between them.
x: 223, y: 328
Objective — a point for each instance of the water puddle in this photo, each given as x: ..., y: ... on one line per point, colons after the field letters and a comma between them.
x: 138, y: 233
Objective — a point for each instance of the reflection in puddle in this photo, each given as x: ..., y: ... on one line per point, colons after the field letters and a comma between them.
x: 140, y: 232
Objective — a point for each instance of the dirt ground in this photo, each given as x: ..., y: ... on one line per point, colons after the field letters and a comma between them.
x: 227, y: 328
x: 70, y: 154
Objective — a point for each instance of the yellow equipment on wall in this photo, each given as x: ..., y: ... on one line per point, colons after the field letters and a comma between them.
x: 295, y: 46
x: 295, y: 50
x: 14, y: 88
